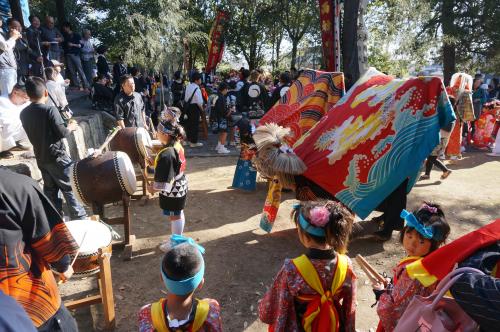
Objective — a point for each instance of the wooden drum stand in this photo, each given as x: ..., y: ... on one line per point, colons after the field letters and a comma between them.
x: 128, y: 242
x: 105, y: 295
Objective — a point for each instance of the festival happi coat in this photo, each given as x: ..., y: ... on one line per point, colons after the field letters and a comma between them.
x: 373, y: 139
x: 305, y: 103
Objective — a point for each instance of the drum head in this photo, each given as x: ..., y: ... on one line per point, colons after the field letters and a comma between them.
x: 155, y: 142
x: 142, y: 140
x: 97, y: 235
x: 125, y: 169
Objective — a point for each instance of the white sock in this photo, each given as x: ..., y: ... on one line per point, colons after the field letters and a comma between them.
x: 177, y: 226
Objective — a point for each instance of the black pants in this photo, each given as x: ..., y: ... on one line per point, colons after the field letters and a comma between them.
x: 392, y: 207
x: 431, y: 161
x: 61, y: 321
x: 193, y: 123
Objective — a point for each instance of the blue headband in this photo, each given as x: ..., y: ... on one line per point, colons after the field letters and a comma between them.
x: 413, y: 222
x: 305, y: 225
x: 186, y: 286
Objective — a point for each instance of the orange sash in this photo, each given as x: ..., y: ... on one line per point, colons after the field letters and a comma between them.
x: 321, y: 314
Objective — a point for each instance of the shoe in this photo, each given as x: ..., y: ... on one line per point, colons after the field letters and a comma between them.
x: 366, y: 227
x: 6, y: 155
x: 232, y: 143
x: 195, y: 145
x: 381, y: 236
x: 445, y: 174
x: 218, y: 147
x: 20, y: 147
x: 223, y: 150
x: 424, y: 177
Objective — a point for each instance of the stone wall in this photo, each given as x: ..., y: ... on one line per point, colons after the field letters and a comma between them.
x: 91, y: 133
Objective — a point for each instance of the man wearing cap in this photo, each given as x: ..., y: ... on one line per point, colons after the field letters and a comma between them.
x: 11, y: 129
x: 8, y: 65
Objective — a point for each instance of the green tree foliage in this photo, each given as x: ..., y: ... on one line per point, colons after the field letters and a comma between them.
x: 246, y: 30
x: 148, y: 33
x: 463, y: 35
x: 297, y: 18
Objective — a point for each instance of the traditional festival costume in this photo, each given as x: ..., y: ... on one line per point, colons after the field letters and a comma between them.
x: 32, y: 238
x: 204, y: 315
x: 11, y: 128
x: 396, y: 298
x: 373, y: 140
x: 392, y: 305
x: 485, y: 125
x: 307, y: 292
x: 460, y: 90
x: 309, y: 98
x: 245, y: 175
x: 439, y: 263
x: 170, y: 164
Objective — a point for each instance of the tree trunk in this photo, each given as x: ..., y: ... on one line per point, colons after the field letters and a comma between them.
x: 61, y: 15
x: 278, y: 46
x: 186, y: 56
x: 295, y: 43
x: 350, y: 42
x: 449, y: 47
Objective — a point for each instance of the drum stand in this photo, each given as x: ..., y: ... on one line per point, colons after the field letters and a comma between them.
x: 128, y: 243
x: 105, y: 292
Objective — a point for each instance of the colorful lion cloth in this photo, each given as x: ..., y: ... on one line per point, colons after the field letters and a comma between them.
x: 305, y: 103
x: 373, y: 139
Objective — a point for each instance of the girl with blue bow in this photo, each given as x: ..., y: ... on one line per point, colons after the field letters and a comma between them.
x: 424, y: 231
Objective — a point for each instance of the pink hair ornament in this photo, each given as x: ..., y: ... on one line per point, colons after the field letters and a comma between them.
x: 319, y: 216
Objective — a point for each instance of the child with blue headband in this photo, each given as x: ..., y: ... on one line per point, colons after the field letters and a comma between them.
x: 315, y: 291
x: 169, y: 178
x: 424, y: 231
x: 182, y: 272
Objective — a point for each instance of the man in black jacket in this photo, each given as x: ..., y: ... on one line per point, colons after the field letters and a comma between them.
x: 45, y: 129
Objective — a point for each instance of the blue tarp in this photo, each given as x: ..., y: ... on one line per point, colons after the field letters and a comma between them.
x: 5, y: 10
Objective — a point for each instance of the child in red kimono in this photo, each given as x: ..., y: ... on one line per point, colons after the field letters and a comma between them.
x: 424, y: 231
x: 316, y: 291
x: 182, y: 271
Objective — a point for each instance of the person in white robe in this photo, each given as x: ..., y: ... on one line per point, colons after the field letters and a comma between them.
x: 12, y: 134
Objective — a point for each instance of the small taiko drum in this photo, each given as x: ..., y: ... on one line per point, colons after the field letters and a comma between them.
x: 133, y: 141
x: 103, y: 179
x: 92, y: 236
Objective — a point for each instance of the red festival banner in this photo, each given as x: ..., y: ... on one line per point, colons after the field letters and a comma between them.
x: 216, y: 43
x: 330, y: 33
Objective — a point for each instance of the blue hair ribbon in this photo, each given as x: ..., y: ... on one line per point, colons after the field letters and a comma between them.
x: 305, y: 225
x: 413, y: 222
x: 186, y: 286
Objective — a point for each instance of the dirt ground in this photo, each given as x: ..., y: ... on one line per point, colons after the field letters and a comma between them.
x: 241, y: 259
